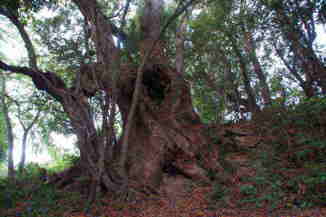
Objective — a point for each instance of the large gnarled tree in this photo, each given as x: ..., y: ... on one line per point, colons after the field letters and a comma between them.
x: 160, y: 126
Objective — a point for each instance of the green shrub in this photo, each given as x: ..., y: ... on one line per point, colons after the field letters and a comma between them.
x: 33, y: 197
x: 66, y: 161
x: 219, y: 191
x: 248, y: 190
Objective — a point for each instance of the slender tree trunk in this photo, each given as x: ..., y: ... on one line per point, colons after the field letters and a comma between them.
x: 2, y: 136
x: 308, y: 60
x: 229, y: 89
x: 23, y: 156
x: 252, y: 105
x: 25, y: 137
x: 9, y: 131
x: 180, y: 40
x: 32, y: 63
x: 306, y: 85
x: 251, y: 51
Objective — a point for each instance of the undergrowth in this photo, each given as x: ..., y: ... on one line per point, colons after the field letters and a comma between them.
x: 290, y: 162
x: 289, y: 165
x: 30, y: 195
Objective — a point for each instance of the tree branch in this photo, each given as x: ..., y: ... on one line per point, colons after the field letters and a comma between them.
x: 28, y: 43
x: 177, y: 13
x: 47, y: 81
x: 105, y: 47
x: 125, y: 11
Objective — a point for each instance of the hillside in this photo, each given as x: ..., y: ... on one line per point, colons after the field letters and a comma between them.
x: 274, y: 165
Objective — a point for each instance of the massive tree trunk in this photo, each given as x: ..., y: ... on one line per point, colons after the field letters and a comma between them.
x: 165, y: 125
x: 164, y: 131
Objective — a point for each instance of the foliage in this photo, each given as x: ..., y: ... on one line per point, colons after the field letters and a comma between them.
x: 299, y: 138
x: 25, y: 5
x: 219, y: 192
x: 65, y: 161
x: 64, y: 39
x: 30, y: 196
x: 289, y: 161
x: 12, y: 4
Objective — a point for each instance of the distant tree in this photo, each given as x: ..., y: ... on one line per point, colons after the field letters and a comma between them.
x: 3, y: 143
x: 9, y: 129
x: 250, y: 25
x: 26, y: 120
x: 10, y: 9
x: 296, y: 22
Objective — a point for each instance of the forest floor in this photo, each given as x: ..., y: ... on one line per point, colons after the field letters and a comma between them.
x: 275, y: 171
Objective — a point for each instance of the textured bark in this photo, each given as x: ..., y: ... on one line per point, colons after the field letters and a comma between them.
x: 101, y: 30
x: 252, y: 105
x: 162, y: 94
x: 163, y: 127
x: 151, y: 29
